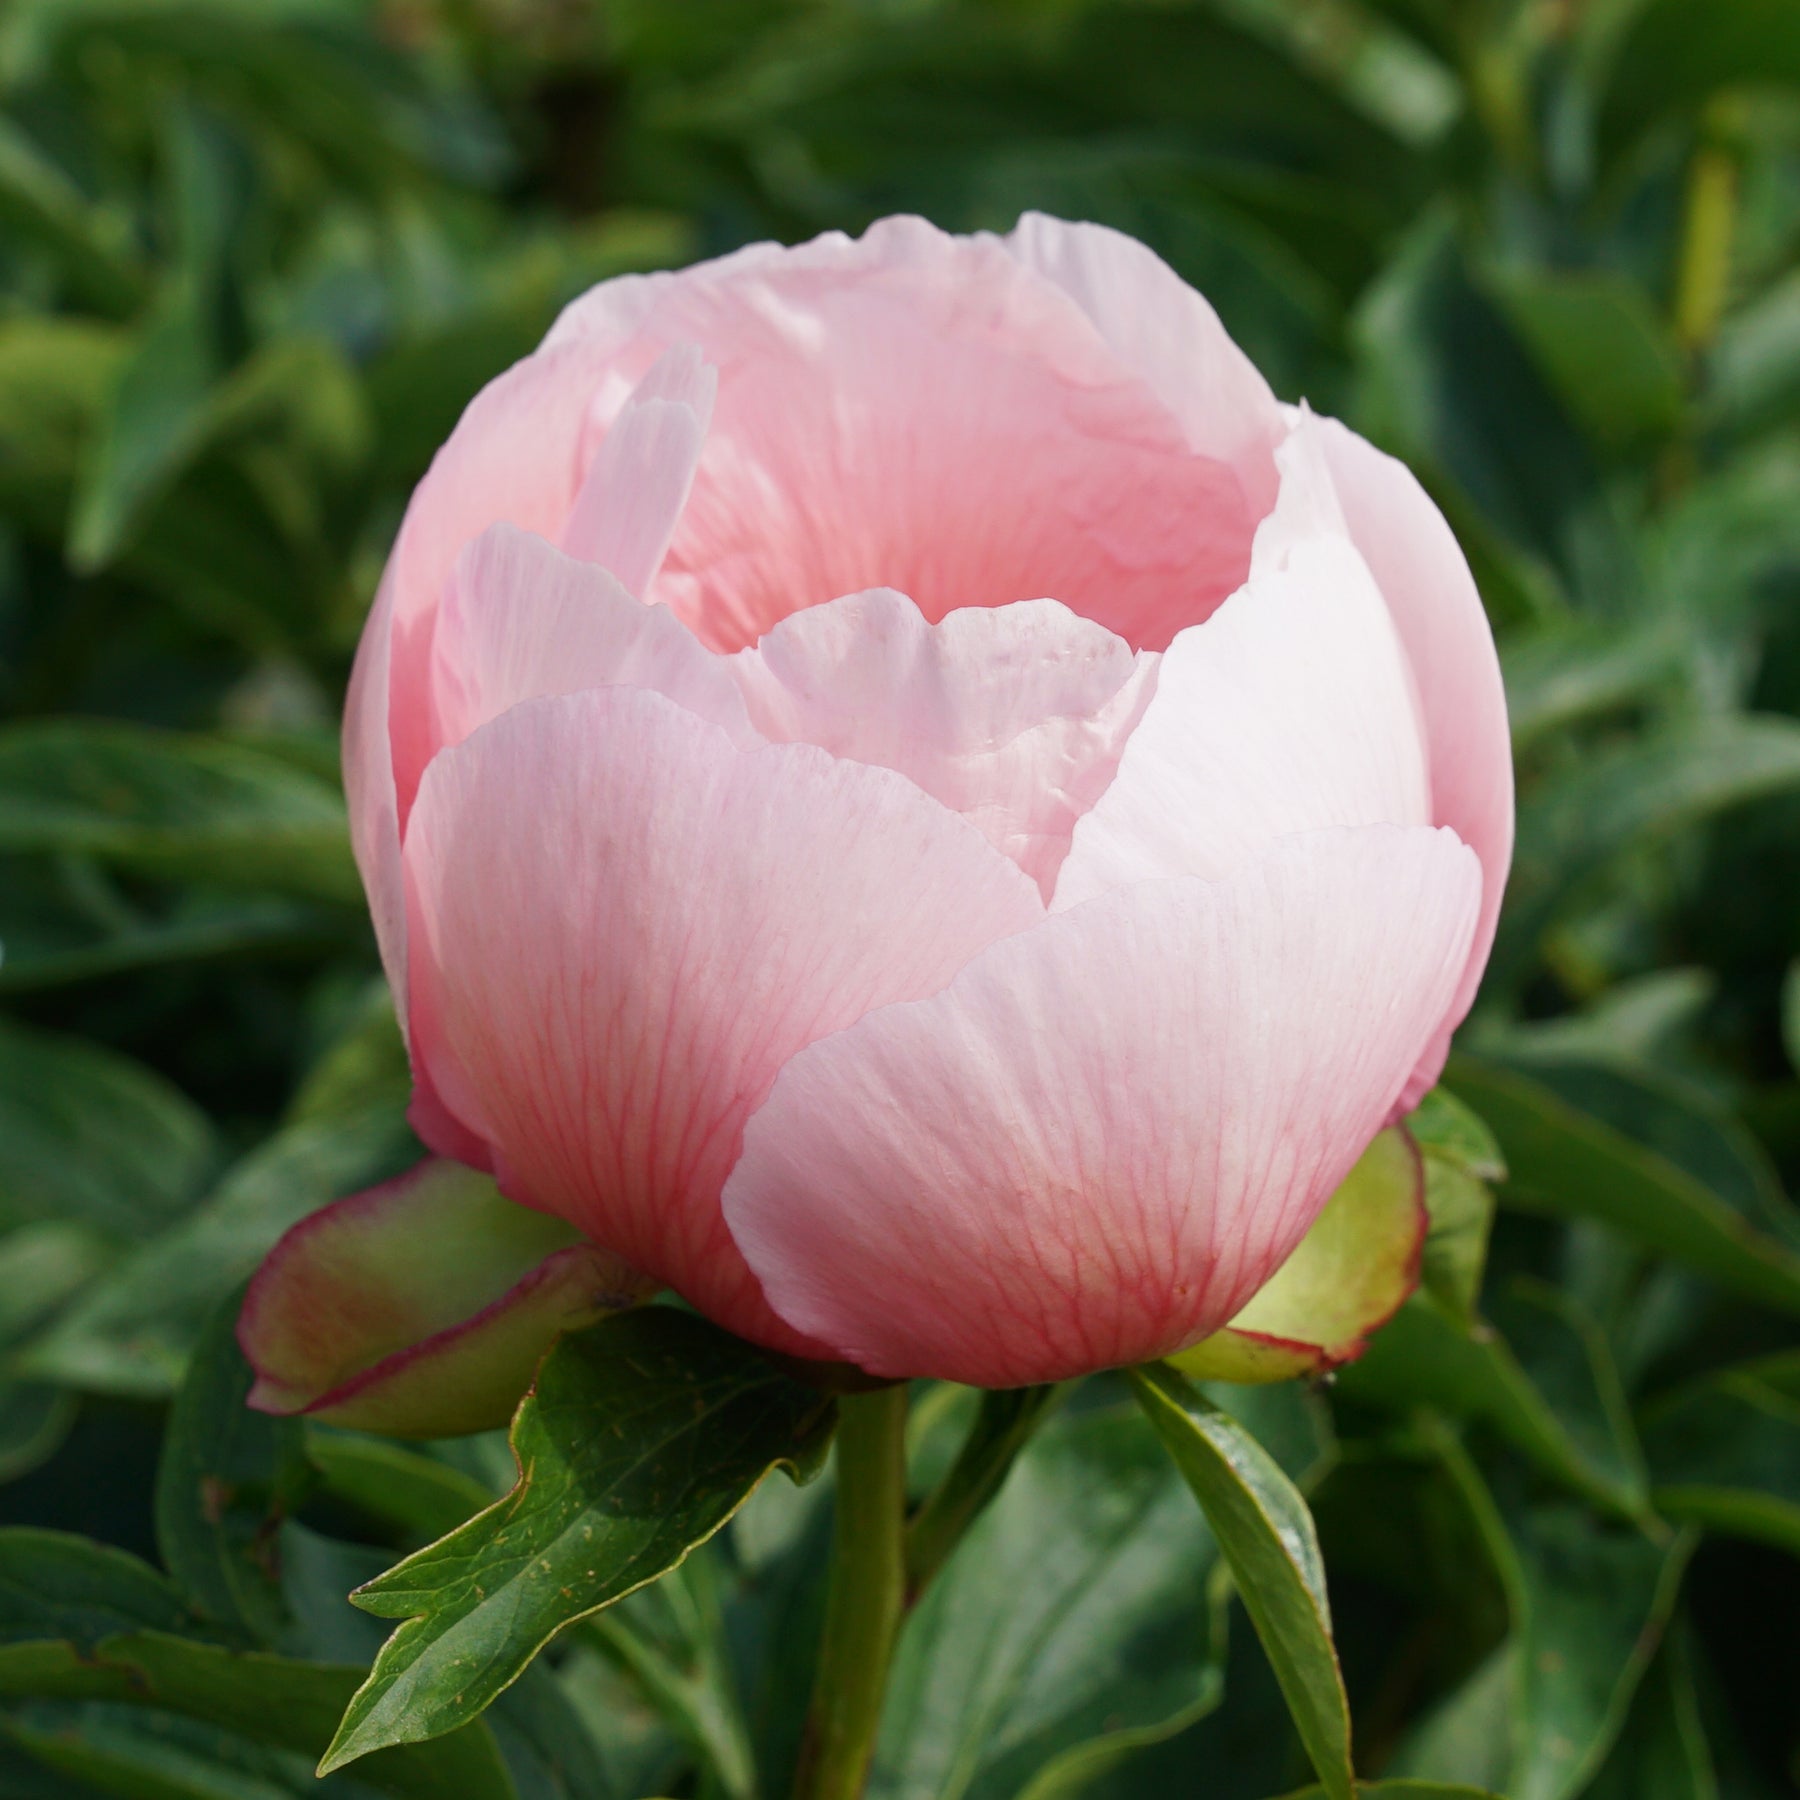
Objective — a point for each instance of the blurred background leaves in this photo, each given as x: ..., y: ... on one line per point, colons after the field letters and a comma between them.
x: 255, y: 256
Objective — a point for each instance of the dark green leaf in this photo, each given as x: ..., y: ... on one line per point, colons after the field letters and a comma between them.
x: 1266, y: 1535
x: 227, y: 1478
x: 1596, y: 1604
x: 132, y: 1330
x: 400, y: 1486
x: 1067, y: 1628
x: 1601, y: 346
x: 270, y: 1699
x: 643, y: 1435
x: 88, y: 1135
x: 197, y: 808
x: 1572, y: 1165
x: 1426, y: 1357
x: 1403, y: 1789
x: 1725, y: 1454
x: 1647, y: 789
x: 1662, y: 1753
x: 1676, y: 53
x: 56, y: 1586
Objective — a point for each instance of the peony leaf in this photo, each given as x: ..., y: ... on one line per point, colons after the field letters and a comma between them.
x: 1428, y: 1357
x: 1724, y: 1454
x: 1067, y: 1628
x: 1568, y: 1163
x: 1348, y: 1276
x: 227, y: 1478
x: 421, y: 1307
x: 1266, y: 1536
x: 80, y: 1620
x: 1404, y: 1790
x: 642, y: 1437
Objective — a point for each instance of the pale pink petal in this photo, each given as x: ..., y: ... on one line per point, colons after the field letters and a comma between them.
x: 638, y: 477
x: 1166, y: 333
x: 1013, y: 716
x: 1108, y: 1131
x: 420, y: 1307
x: 368, y: 764
x: 513, y: 456
x: 922, y: 412
x: 1289, y: 710
x: 521, y: 619
x: 1426, y: 581
x: 626, y: 926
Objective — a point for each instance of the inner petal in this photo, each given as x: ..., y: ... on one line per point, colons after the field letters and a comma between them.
x: 1013, y: 716
x: 948, y: 425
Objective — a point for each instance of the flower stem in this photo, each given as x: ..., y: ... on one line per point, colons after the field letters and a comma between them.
x: 1007, y: 1418
x: 866, y: 1596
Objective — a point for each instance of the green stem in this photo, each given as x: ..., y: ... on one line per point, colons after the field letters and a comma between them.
x: 866, y: 1597
x: 1007, y: 1418
x: 1709, y: 223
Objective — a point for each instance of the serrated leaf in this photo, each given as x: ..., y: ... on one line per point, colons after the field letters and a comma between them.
x: 1266, y: 1535
x: 642, y: 1437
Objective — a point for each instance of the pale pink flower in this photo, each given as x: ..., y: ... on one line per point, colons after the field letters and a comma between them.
x: 912, y: 802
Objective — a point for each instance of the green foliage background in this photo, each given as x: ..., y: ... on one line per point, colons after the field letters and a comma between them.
x: 255, y: 255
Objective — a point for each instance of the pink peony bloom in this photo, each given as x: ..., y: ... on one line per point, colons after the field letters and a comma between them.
x: 909, y: 800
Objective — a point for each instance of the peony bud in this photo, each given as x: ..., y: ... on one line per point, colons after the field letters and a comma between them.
x: 907, y: 799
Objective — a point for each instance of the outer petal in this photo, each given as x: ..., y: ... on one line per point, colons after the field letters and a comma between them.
x: 369, y: 791
x: 1164, y: 332
x: 1438, y: 612
x: 1108, y: 1132
x: 522, y: 620
x: 421, y: 1306
x: 622, y: 927
x: 1013, y: 716
x: 1290, y: 709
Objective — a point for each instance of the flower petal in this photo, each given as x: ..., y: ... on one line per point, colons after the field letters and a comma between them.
x: 1167, y: 334
x: 637, y: 480
x: 1291, y: 709
x: 1346, y: 1278
x: 373, y: 803
x: 1013, y: 716
x: 622, y: 927
x: 1109, y: 1131
x: 1425, y: 579
x: 919, y: 411
x: 522, y: 620
x: 420, y: 1307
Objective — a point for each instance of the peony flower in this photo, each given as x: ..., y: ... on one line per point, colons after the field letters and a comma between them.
x: 906, y: 798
